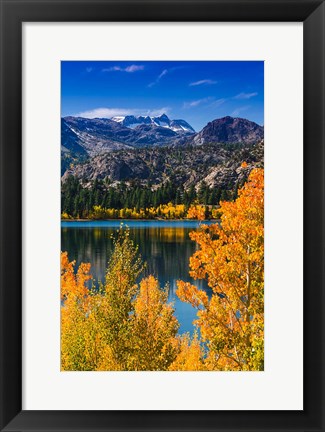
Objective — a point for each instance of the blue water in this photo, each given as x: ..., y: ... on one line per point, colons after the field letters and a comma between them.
x: 133, y: 223
x: 164, y: 245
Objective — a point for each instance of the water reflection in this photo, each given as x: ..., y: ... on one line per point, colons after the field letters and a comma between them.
x: 165, y: 247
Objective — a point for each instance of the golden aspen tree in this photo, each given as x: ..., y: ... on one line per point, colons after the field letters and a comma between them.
x: 196, y: 212
x: 80, y: 344
x: 230, y: 257
x: 116, y: 309
x: 190, y: 356
x: 154, y: 328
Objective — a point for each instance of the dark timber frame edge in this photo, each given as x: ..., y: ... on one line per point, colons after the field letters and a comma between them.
x: 13, y: 13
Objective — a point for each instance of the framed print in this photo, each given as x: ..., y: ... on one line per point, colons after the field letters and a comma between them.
x: 161, y: 222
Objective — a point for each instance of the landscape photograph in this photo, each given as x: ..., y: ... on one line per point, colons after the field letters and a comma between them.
x: 162, y: 216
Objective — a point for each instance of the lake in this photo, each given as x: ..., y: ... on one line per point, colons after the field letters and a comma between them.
x: 164, y: 245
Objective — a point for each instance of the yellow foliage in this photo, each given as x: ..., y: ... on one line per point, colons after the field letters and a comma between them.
x: 129, y: 326
x: 154, y: 328
x: 163, y: 211
x: 121, y: 326
x: 190, y: 356
x: 196, y: 212
x: 73, y: 285
x: 231, y: 257
x: 80, y: 343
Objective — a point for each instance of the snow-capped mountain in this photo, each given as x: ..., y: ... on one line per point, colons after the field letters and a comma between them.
x: 132, y: 121
x: 178, y: 126
x: 83, y: 138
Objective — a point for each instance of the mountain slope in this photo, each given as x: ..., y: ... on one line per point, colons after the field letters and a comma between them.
x: 97, y: 135
x: 217, y: 165
x: 71, y: 147
x: 83, y: 136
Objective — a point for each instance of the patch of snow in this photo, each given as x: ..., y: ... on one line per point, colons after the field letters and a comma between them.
x: 133, y: 125
x: 118, y: 119
x: 162, y: 121
x: 164, y: 124
x: 76, y: 132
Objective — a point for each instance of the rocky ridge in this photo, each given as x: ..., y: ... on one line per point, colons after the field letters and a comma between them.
x: 152, y: 154
x: 217, y: 165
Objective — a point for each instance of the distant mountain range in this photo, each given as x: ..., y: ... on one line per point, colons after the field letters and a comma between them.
x: 99, y: 135
x: 82, y: 137
x: 134, y: 148
x: 178, y: 126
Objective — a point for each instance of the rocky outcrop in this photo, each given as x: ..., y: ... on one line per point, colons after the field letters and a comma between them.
x: 217, y: 165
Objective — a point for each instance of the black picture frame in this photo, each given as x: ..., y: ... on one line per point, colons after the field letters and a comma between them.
x: 13, y: 14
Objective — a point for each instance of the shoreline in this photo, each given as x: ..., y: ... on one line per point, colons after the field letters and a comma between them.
x: 139, y: 220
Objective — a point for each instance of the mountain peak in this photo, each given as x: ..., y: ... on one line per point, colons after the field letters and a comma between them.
x: 230, y: 130
x: 162, y: 117
x: 181, y: 127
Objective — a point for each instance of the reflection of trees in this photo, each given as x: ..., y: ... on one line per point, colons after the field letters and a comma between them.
x: 166, y: 251
x: 88, y: 245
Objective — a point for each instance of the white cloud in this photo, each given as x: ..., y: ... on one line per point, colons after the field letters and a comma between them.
x: 112, y: 112
x: 130, y: 69
x: 238, y: 110
x: 163, y: 73
x: 105, y: 112
x: 197, y: 102
x: 217, y: 102
x: 203, y: 82
x: 134, y: 68
x: 158, y: 112
x: 245, y: 95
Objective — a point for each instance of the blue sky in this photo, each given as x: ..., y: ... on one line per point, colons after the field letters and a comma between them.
x: 195, y: 91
